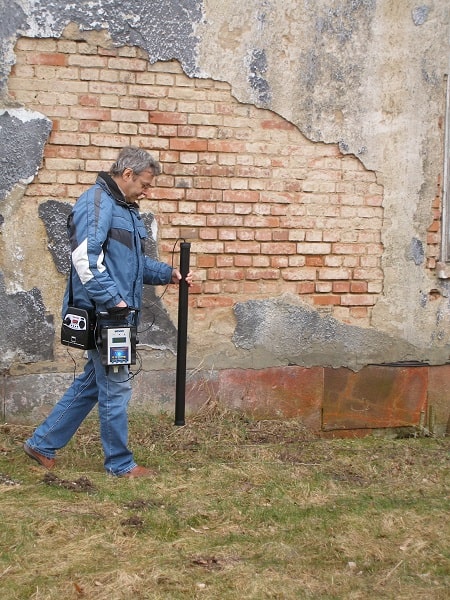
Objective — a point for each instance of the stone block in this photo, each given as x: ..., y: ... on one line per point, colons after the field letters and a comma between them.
x: 29, y: 398
x: 375, y: 397
x: 155, y: 391
x: 439, y: 399
x: 277, y: 392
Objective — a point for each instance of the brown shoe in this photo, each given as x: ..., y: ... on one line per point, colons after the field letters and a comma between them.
x: 44, y: 461
x: 139, y: 472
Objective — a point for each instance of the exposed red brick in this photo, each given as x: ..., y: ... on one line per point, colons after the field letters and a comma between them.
x: 242, y: 247
x: 279, y: 215
x: 314, y: 261
x: 92, y: 114
x: 341, y: 287
x: 358, y: 300
x: 277, y: 124
x: 305, y: 287
x: 226, y: 146
x: 278, y: 248
x: 215, y: 301
x: 168, y: 118
x: 358, y: 287
x: 240, y: 196
x: 47, y: 58
x: 243, y: 261
x: 186, y: 144
x: 226, y: 261
x: 327, y: 300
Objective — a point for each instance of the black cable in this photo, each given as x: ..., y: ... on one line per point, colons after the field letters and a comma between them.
x: 154, y: 304
x: 74, y: 363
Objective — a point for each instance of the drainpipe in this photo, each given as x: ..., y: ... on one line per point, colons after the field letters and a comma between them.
x: 443, y: 270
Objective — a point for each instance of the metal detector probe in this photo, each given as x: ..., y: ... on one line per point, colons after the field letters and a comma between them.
x: 185, y: 249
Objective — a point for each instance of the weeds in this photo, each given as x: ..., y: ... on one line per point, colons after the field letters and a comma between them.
x: 240, y: 509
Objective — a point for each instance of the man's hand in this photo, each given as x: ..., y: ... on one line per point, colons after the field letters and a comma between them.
x: 176, y: 277
x: 120, y: 310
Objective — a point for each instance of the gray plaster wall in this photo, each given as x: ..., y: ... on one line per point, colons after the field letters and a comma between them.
x: 368, y: 75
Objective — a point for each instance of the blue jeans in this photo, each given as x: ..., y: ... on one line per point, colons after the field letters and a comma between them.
x: 112, y: 392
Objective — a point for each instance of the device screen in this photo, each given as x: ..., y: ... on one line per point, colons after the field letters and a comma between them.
x: 119, y: 355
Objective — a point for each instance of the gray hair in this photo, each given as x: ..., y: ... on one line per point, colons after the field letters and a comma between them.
x: 136, y: 159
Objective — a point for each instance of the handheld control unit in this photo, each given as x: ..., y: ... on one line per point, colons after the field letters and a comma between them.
x: 117, y: 338
x: 118, y: 345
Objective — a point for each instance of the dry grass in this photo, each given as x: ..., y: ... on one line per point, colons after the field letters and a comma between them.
x: 240, y: 510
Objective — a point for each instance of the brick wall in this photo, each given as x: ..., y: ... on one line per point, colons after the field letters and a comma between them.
x: 267, y: 211
x: 434, y: 230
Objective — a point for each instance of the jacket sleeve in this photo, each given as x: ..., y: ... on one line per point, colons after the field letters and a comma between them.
x: 88, y: 231
x: 156, y: 273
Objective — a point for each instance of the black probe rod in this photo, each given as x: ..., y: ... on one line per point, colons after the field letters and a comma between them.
x: 185, y: 249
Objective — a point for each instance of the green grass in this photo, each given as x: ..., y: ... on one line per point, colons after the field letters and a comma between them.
x: 239, y: 510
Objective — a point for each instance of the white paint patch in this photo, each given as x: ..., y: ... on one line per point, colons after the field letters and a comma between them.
x: 24, y: 115
x: 14, y: 287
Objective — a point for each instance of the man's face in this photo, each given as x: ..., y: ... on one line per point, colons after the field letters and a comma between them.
x: 135, y: 187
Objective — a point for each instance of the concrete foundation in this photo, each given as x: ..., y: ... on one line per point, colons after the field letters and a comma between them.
x: 383, y: 400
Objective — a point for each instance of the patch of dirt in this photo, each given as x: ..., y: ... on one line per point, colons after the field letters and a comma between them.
x: 7, y: 480
x: 133, y: 521
x: 213, y: 563
x: 142, y: 504
x: 83, y: 484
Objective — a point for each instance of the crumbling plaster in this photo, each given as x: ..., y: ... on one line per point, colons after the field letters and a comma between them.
x: 370, y: 76
x: 367, y: 75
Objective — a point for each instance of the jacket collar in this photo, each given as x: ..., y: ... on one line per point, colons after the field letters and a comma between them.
x: 110, y: 186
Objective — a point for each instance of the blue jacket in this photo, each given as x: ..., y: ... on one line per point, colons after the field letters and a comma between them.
x: 107, y: 239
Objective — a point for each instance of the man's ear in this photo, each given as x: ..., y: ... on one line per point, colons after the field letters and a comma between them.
x: 127, y: 174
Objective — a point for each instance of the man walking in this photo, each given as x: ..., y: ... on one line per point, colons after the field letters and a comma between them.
x: 109, y: 268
